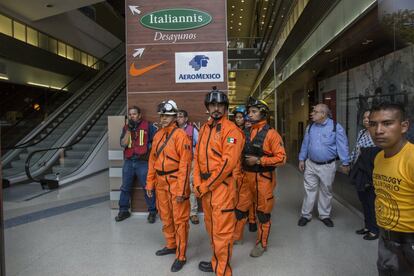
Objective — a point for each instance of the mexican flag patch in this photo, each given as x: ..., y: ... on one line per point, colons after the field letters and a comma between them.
x: 231, y: 140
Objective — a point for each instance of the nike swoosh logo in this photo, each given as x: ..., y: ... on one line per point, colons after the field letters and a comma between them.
x: 138, y: 72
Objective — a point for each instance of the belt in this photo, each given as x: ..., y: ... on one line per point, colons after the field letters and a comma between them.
x: 324, y: 163
x: 161, y: 173
x: 400, y: 237
x: 206, y: 176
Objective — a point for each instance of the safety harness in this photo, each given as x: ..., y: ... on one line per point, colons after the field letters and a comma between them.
x: 255, y: 148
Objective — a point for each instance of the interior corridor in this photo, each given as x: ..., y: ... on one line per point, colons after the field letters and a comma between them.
x: 81, y: 237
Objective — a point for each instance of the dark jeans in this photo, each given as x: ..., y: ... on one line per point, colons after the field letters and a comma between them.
x: 132, y: 168
x: 395, y: 258
x: 367, y: 198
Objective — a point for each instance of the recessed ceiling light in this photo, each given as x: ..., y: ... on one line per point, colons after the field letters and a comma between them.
x: 240, y: 23
x: 328, y: 50
x: 241, y: 17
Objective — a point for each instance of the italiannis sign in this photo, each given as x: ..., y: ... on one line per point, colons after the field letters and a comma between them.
x: 175, y: 19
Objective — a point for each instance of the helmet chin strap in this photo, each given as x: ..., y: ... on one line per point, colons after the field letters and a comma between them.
x: 256, y: 121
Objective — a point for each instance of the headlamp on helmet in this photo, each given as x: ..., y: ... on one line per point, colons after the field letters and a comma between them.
x: 167, y: 108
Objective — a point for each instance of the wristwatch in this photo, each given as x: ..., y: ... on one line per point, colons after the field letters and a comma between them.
x: 258, y: 161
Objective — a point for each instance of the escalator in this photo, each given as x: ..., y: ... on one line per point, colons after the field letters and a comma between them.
x: 102, y: 97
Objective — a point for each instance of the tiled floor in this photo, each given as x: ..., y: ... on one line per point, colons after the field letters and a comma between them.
x: 87, y: 241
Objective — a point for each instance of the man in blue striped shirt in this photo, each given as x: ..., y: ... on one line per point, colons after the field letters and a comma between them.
x: 325, y: 141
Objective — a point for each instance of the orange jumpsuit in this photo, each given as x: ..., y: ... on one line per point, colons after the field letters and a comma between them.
x: 217, y: 153
x: 168, y: 173
x: 257, y: 187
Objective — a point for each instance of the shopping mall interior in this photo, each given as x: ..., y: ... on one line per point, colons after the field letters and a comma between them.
x: 65, y: 89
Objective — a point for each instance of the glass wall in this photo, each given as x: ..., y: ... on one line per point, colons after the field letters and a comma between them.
x: 36, y: 38
x: 369, y: 63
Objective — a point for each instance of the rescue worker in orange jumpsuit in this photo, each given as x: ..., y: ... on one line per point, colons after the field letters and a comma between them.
x: 169, y: 171
x: 217, y: 153
x: 240, y: 119
x: 262, y: 153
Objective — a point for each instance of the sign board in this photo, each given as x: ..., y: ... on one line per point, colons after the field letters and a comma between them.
x: 175, y: 50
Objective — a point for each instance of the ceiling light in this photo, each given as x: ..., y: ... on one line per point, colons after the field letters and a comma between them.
x: 328, y: 50
x: 231, y: 28
x: 241, y: 17
x: 241, y: 9
x: 233, y: 6
x: 367, y: 41
x: 45, y: 85
x: 240, y: 23
x: 4, y: 78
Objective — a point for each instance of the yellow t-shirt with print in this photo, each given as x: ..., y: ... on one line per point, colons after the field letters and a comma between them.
x: 394, y: 188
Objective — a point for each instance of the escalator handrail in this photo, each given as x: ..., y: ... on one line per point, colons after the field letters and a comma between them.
x: 76, y: 77
x: 93, y: 119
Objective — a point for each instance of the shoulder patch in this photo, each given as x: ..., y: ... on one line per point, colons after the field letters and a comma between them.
x: 231, y: 140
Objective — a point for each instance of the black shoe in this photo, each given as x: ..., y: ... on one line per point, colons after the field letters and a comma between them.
x: 151, y: 217
x: 205, y: 267
x: 362, y: 231
x: 177, y: 265
x: 122, y: 215
x: 252, y: 227
x: 165, y: 251
x: 370, y: 236
x: 328, y: 222
x: 303, y: 221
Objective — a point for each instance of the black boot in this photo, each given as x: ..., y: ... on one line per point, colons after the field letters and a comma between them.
x: 122, y: 215
x: 165, y: 251
x: 205, y: 267
x: 177, y: 265
x: 151, y: 217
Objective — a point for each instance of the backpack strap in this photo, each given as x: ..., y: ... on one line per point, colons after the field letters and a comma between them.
x: 165, y: 142
x: 334, y: 126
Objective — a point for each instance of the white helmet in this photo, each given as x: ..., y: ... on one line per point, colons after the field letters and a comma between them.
x: 168, y: 107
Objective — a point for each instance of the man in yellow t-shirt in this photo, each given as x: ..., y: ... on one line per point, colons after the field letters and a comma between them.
x: 393, y: 179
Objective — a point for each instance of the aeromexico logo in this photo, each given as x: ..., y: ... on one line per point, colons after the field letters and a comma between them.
x: 176, y: 19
